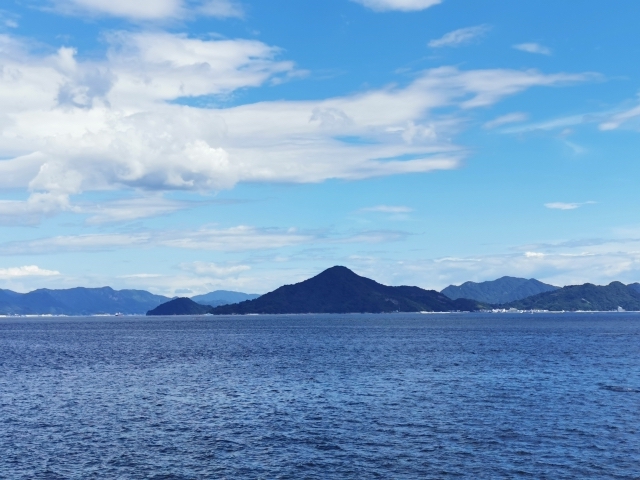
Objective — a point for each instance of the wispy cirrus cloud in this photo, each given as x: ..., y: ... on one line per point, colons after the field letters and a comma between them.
x: 388, y: 209
x: 129, y: 209
x: 398, y: 5
x: 533, y: 48
x: 566, y: 206
x: 8, y: 19
x: 506, y: 119
x: 462, y: 36
x: 156, y: 10
x: 618, y: 119
x: 234, y: 239
x: 214, y: 269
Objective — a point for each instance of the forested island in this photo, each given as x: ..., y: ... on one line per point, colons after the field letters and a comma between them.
x: 339, y: 290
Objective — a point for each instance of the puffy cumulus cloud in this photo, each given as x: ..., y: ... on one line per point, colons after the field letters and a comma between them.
x: 150, y: 10
x: 26, y: 271
x: 533, y: 48
x: 460, y: 37
x: 69, y: 126
x: 400, y: 5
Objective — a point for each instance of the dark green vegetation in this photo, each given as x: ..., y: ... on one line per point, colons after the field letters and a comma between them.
x: 223, y: 297
x: 339, y: 290
x: 583, y: 297
x: 502, y: 290
x: 78, y: 301
x: 180, y: 306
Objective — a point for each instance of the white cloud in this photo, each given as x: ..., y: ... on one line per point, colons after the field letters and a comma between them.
x: 506, y: 119
x: 565, y: 206
x: 26, y: 271
x: 241, y: 238
x: 8, y: 19
x: 388, y: 209
x: 615, y: 121
x: 141, y: 275
x: 563, y: 263
x: 221, y: 9
x: 32, y: 211
x: 234, y: 239
x: 533, y: 48
x: 206, y: 268
x: 575, y: 148
x: 195, y: 284
x: 142, y: 10
x: 400, y: 5
x: 69, y: 126
x: 129, y: 209
x: 459, y: 37
x: 150, y: 10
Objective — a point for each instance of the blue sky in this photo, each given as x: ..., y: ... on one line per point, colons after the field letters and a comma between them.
x: 183, y: 146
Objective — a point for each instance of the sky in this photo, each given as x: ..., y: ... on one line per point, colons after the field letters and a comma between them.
x: 185, y: 146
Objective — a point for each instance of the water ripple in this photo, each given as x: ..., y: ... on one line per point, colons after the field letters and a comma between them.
x: 365, y: 396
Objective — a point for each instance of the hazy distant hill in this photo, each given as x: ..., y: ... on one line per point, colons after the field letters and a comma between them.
x: 223, y: 297
x: 583, y: 297
x: 502, y: 290
x: 78, y: 301
x: 180, y: 306
x: 339, y: 290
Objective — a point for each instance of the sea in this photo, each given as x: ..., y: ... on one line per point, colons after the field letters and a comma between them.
x: 395, y: 396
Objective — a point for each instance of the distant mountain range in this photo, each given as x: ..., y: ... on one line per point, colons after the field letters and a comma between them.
x: 78, y: 301
x: 223, y: 297
x: 587, y: 297
x: 502, y: 290
x: 336, y: 290
x: 339, y: 290
x: 96, y: 301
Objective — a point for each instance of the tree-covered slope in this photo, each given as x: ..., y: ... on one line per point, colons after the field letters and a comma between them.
x: 502, y: 290
x: 78, y: 301
x: 339, y: 290
x: 583, y: 297
x: 180, y: 306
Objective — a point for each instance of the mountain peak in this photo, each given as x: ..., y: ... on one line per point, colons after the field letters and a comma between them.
x: 337, y: 271
x: 502, y: 290
x: 340, y: 290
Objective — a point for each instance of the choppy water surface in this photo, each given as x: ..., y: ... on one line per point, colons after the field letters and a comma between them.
x: 355, y: 396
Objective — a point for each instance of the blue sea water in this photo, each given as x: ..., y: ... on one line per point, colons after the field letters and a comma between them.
x: 321, y: 397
